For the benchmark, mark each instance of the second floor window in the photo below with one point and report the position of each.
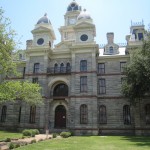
(122, 66)
(101, 68)
(36, 68)
(83, 84)
(102, 86)
(83, 65)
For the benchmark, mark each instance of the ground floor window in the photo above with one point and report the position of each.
(32, 114)
(147, 113)
(102, 114)
(83, 114)
(126, 114)
(3, 114)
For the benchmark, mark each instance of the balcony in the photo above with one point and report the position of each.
(59, 70)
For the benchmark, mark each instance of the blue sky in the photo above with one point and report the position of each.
(108, 16)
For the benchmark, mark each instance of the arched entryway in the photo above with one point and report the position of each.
(60, 117)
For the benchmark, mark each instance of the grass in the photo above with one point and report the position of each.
(93, 143)
(6, 134)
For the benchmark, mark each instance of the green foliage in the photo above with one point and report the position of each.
(33, 141)
(11, 146)
(8, 140)
(137, 72)
(30, 132)
(65, 134)
(18, 90)
(55, 135)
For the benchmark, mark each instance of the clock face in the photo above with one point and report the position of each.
(84, 37)
(72, 21)
(40, 41)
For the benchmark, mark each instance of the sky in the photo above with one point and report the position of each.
(108, 16)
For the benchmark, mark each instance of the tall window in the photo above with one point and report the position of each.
(122, 66)
(24, 71)
(3, 114)
(83, 84)
(56, 68)
(62, 68)
(126, 115)
(36, 68)
(102, 86)
(83, 65)
(140, 36)
(32, 114)
(34, 80)
(83, 114)
(102, 114)
(68, 68)
(147, 113)
(60, 90)
(101, 68)
(19, 116)
(111, 50)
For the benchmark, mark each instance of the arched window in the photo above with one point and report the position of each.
(68, 68)
(83, 114)
(126, 115)
(83, 65)
(3, 114)
(62, 68)
(60, 90)
(56, 68)
(147, 113)
(102, 114)
(19, 116)
(32, 114)
(111, 50)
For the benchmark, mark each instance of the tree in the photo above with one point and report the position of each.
(137, 82)
(13, 90)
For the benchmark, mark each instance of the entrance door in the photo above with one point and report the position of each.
(60, 117)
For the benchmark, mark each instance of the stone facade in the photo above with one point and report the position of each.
(81, 83)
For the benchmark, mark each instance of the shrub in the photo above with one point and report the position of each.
(8, 140)
(34, 132)
(17, 145)
(55, 135)
(65, 134)
(26, 132)
(33, 141)
(11, 146)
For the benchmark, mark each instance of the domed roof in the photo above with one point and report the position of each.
(73, 6)
(84, 15)
(44, 19)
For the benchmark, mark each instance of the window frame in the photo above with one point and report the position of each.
(4, 113)
(122, 65)
(83, 84)
(102, 114)
(32, 114)
(36, 68)
(147, 114)
(83, 65)
(35, 80)
(83, 114)
(102, 85)
(101, 68)
(126, 115)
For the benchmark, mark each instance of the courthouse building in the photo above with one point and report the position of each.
(80, 80)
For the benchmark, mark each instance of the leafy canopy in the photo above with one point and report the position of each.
(137, 82)
(13, 90)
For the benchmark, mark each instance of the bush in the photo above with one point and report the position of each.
(26, 132)
(33, 141)
(30, 132)
(65, 134)
(55, 135)
(17, 145)
(11, 146)
(8, 140)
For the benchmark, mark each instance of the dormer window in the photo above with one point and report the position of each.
(73, 6)
(111, 50)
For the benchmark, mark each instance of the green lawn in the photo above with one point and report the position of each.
(6, 134)
(93, 143)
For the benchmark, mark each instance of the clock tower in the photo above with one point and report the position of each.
(67, 31)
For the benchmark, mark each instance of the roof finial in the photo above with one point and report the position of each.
(45, 14)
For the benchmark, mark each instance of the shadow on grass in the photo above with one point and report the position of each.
(138, 140)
